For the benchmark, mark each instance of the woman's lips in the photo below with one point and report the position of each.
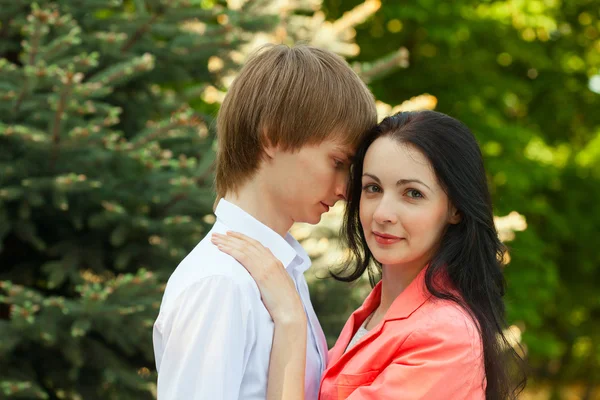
(383, 238)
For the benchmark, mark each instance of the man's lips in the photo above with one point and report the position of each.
(327, 206)
(385, 238)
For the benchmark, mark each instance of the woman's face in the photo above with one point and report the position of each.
(403, 209)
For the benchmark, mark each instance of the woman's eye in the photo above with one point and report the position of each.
(370, 188)
(415, 194)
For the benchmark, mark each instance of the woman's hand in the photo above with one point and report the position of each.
(288, 353)
(276, 287)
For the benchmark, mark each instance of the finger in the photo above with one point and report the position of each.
(254, 253)
(244, 254)
(247, 239)
(251, 262)
(218, 238)
(240, 240)
(233, 242)
(239, 255)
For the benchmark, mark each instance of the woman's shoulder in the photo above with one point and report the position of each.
(447, 318)
(442, 331)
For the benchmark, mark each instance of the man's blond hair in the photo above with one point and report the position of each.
(288, 97)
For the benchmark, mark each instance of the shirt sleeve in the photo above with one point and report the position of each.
(435, 364)
(206, 339)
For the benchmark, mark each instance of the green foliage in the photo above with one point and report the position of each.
(105, 176)
(106, 149)
(517, 73)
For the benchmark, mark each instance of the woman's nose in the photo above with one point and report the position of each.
(385, 213)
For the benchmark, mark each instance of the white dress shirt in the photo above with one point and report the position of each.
(213, 335)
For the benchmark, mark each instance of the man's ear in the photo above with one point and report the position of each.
(270, 151)
(455, 216)
(268, 148)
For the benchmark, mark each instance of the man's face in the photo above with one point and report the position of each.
(305, 183)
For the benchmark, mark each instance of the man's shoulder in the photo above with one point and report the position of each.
(207, 260)
(206, 263)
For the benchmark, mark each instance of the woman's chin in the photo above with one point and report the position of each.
(385, 259)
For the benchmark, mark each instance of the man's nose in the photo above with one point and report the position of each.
(341, 188)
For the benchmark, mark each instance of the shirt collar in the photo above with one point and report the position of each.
(284, 249)
(304, 258)
(404, 305)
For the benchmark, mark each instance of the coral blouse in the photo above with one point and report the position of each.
(424, 348)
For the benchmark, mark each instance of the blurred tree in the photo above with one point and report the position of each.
(106, 149)
(524, 76)
(105, 175)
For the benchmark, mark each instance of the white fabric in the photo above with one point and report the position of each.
(362, 331)
(213, 335)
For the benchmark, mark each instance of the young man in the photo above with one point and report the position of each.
(286, 130)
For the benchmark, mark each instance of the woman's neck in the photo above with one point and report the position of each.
(395, 279)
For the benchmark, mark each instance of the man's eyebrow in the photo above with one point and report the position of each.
(349, 154)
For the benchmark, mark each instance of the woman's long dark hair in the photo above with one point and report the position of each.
(470, 252)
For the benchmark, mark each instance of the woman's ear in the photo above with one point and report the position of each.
(455, 216)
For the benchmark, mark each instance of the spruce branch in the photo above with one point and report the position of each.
(176, 199)
(117, 73)
(356, 16)
(5, 26)
(25, 87)
(39, 20)
(68, 80)
(25, 132)
(63, 43)
(37, 17)
(208, 44)
(150, 137)
(139, 33)
(184, 116)
(369, 72)
(201, 179)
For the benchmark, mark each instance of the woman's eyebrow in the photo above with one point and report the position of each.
(406, 181)
(400, 182)
(376, 179)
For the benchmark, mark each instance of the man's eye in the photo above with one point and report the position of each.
(339, 164)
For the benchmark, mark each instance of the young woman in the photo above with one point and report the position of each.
(419, 212)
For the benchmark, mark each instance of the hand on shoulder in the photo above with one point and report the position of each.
(277, 289)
